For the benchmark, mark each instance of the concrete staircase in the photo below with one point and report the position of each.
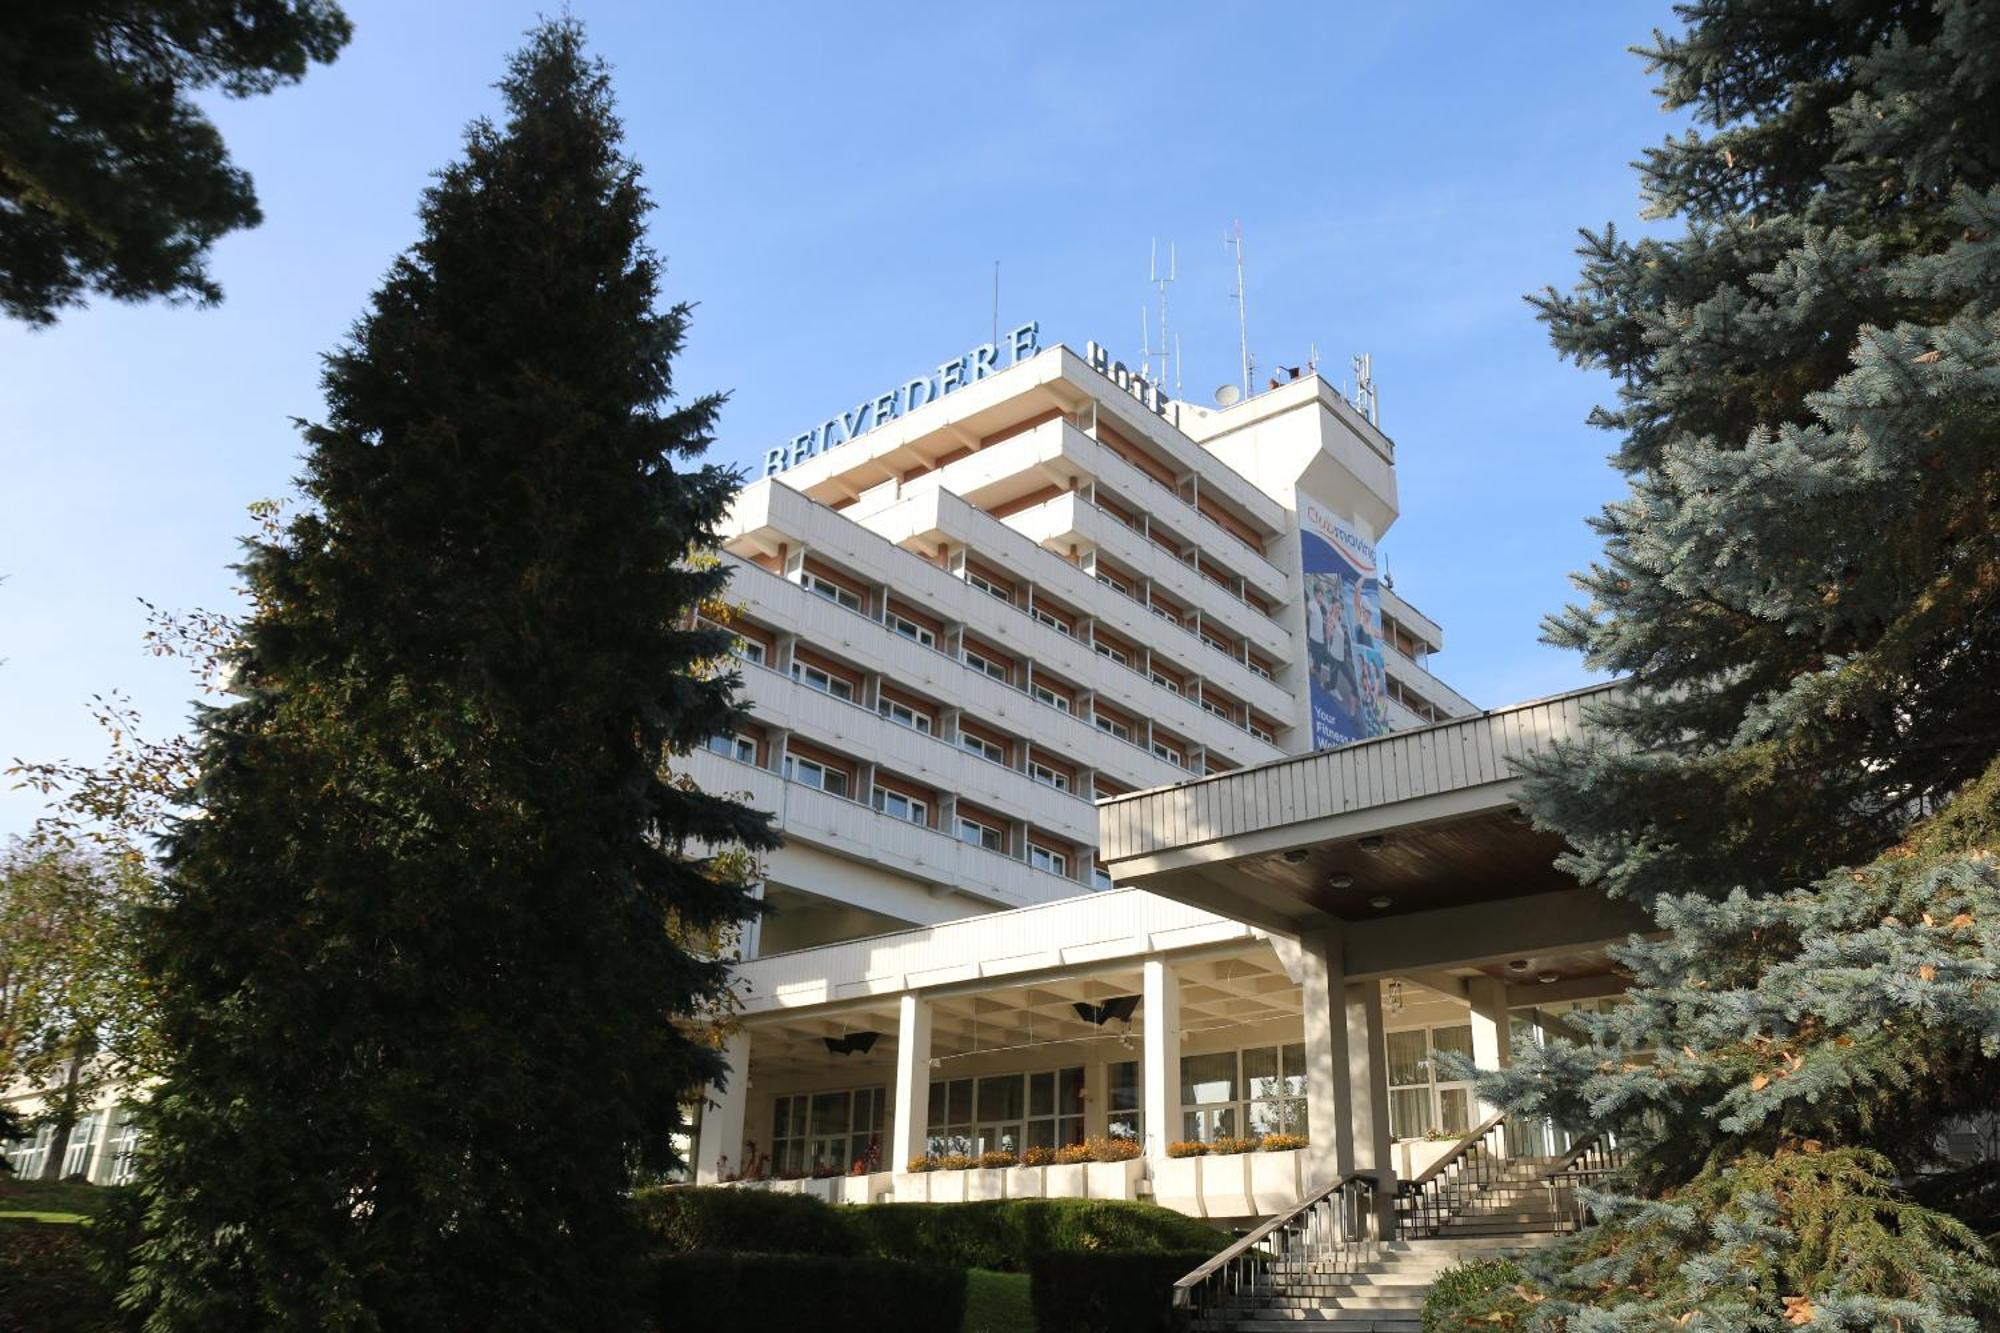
(1518, 1201)
(1384, 1295)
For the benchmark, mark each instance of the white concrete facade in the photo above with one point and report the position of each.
(960, 629)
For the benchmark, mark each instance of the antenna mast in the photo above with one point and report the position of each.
(1234, 239)
(1365, 400)
(1168, 358)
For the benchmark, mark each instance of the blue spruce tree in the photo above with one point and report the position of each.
(1800, 784)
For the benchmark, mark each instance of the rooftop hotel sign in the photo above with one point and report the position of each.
(967, 368)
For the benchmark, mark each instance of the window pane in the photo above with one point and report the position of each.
(1407, 1057)
(936, 1116)
(1260, 1072)
(1124, 1090)
(1069, 1091)
(1410, 1112)
(958, 1099)
(1000, 1098)
(781, 1118)
(1208, 1078)
(829, 1113)
(1295, 1069)
(1070, 1130)
(1454, 1110)
(1042, 1093)
(1457, 1040)
(1041, 1133)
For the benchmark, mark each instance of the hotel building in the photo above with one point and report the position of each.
(983, 623)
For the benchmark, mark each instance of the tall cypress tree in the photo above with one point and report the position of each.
(421, 996)
(1800, 784)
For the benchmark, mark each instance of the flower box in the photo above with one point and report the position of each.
(913, 1186)
(1225, 1184)
(1177, 1184)
(1026, 1182)
(1066, 1182)
(985, 1182)
(822, 1188)
(948, 1186)
(1114, 1180)
(1416, 1156)
(1277, 1180)
(863, 1189)
(788, 1187)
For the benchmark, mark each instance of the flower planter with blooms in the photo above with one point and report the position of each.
(1115, 1169)
(1177, 1180)
(1282, 1143)
(1231, 1147)
(1029, 1179)
(1187, 1148)
(913, 1183)
(1278, 1173)
(986, 1178)
(1066, 1176)
(1039, 1157)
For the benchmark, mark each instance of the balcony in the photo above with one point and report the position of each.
(859, 832)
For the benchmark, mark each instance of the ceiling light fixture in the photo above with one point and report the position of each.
(1294, 855)
(1372, 843)
(1380, 901)
(1548, 978)
(1340, 881)
(1517, 965)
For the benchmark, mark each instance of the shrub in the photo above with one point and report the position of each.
(1038, 1156)
(753, 1293)
(922, 1164)
(1111, 1292)
(1468, 1291)
(680, 1219)
(1106, 1149)
(1230, 1147)
(998, 1158)
(1006, 1234)
(1187, 1148)
(956, 1161)
(1283, 1142)
(1074, 1154)
(48, 1282)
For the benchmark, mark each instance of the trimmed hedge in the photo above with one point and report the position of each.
(1469, 1290)
(1108, 1292)
(1000, 1234)
(682, 1220)
(757, 1293)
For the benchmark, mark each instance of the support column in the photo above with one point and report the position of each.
(1492, 1041)
(1323, 1000)
(1368, 1080)
(720, 1149)
(1160, 1003)
(913, 1081)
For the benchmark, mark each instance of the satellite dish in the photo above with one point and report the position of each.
(1228, 396)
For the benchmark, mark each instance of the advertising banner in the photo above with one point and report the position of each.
(1343, 629)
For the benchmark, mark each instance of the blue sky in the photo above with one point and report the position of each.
(834, 184)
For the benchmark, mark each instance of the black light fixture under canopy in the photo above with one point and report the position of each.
(1120, 1007)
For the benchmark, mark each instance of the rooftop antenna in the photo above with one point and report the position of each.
(1234, 239)
(1162, 281)
(1365, 400)
(996, 303)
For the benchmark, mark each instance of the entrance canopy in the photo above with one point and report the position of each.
(1410, 846)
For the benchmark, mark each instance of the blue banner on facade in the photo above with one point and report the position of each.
(1350, 700)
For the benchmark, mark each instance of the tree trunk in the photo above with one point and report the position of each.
(65, 1122)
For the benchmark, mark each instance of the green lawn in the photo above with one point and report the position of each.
(50, 1201)
(997, 1303)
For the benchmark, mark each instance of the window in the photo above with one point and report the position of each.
(832, 591)
(124, 1147)
(1166, 683)
(905, 716)
(980, 835)
(731, 746)
(1041, 858)
(1263, 735)
(1219, 645)
(812, 773)
(1123, 1117)
(750, 651)
(1007, 1112)
(827, 1131)
(813, 678)
(1165, 615)
(982, 747)
(1253, 1092)
(82, 1145)
(1049, 777)
(986, 585)
(979, 661)
(27, 1155)
(1421, 1098)
(1118, 729)
(1259, 669)
(911, 630)
(1051, 698)
(1210, 706)
(1170, 754)
(906, 808)
(1113, 582)
(1117, 655)
(1100, 878)
(1050, 619)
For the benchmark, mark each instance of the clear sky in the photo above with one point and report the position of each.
(834, 185)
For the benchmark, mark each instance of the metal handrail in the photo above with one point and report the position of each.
(1334, 1226)
(1474, 1164)
(1599, 1154)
